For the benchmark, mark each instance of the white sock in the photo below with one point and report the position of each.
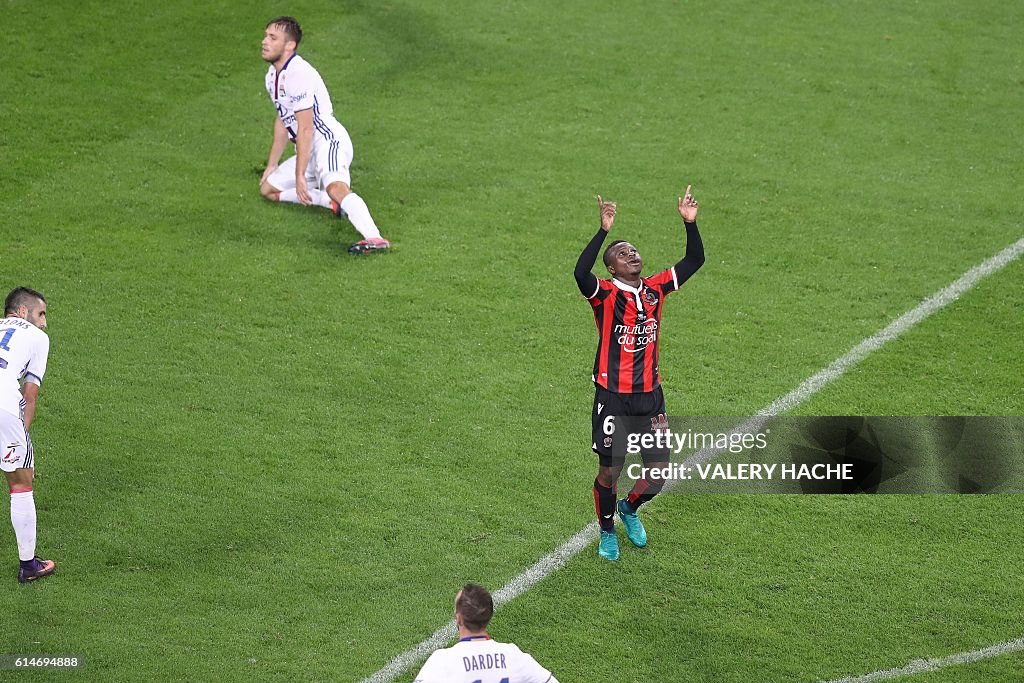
(359, 216)
(320, 198)
(23, 519)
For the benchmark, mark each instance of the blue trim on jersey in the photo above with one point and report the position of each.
(318, 122)
(469, 638)
(277, 75)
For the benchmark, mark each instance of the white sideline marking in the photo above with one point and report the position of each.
(588, 534)
(935, 302)
(920, 666)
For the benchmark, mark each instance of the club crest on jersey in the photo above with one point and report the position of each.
(650, 296)
(659, 424)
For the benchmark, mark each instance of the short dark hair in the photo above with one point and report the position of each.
(291, 28)
(475, 606)
(608, 251)
(21, 296)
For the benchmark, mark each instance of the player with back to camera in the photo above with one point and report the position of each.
(476, 658)
(318, 173)
(627, 310)
(24, 348)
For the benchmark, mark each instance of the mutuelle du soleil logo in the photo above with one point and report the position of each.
(633, 338)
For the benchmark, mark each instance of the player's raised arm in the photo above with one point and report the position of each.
(586, 280)
(694, 257)
(608, 210)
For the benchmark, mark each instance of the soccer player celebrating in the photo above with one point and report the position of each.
(476, 658)
(23, 351)
(627, 309)
(319, 171)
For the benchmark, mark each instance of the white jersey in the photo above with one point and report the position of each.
(480, 660)
(23, 351)
(298, 87)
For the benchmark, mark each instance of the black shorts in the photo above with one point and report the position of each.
(616, 417)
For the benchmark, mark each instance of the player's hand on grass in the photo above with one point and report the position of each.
(608, 210)
(688, 206)
(301, 191)
(266, 173)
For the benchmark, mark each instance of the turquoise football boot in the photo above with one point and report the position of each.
(634, 527)
(609, 546)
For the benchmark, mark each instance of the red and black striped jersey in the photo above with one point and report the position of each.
(628, 325)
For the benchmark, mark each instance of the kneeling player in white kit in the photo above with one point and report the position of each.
(476, 658)
(23, 351)
(319, 171)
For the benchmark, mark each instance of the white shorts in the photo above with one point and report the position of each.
(15, 444)
(328, 164)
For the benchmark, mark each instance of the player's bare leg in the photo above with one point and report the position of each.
(604, 500)
(345, 202)
(23, 519)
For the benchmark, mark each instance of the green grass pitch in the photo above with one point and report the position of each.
(261, 459)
